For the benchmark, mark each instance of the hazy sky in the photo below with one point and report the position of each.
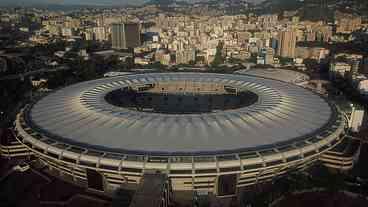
(68, 2)
(91, 2)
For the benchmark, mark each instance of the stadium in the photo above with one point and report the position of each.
(204, 131)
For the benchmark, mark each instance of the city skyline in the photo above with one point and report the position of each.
(90, 2)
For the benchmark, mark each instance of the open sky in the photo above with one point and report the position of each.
(79, 2)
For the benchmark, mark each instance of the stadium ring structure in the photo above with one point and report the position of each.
(206, 132)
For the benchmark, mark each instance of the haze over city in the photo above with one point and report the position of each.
(90, 2)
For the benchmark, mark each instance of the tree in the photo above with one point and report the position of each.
(218, 56)
(85, 70)
(16, 93)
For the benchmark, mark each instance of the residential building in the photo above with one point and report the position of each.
(356, 119)
(339, 70)
(185, 56)
(286, 44)
(125, 35)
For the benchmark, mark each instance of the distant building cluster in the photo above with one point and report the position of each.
(241, 36)
(179, 38)
(350, 67)
(148, 35)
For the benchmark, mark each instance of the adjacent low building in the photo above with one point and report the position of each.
(362, 84)
(356, 118)
(339, 70)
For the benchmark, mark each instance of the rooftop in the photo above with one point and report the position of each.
(80, 115)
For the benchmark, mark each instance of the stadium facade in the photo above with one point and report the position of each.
(206, 132)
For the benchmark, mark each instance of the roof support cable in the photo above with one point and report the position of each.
(240, 162)
(217, 164)
(99, 160)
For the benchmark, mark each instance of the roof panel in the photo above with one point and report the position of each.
(80, 114)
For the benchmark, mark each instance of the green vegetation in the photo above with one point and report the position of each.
(253, 58)
(285, 60)
(14, 94)
(235, 61)
(278, 6)
(319, 176)
(218, 60)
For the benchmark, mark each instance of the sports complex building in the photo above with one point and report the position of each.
(204, 131)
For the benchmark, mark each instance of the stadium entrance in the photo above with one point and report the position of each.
(226, 185)
(95, 180)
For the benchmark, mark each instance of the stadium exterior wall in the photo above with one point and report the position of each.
(278, 152)
(187, 172)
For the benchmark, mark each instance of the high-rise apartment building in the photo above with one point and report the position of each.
(185, 56)
(347, 23)
(286, 44)
(99, 33)
(268, 55)
(125, 35)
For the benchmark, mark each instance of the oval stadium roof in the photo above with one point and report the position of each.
(79, 114)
